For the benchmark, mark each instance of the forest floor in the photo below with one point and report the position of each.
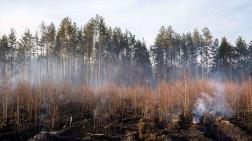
(134, 128)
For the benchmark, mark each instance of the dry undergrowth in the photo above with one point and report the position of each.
(53, 105)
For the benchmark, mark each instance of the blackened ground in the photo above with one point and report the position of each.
(133, 128)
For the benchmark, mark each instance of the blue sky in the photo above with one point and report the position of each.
(229, 18)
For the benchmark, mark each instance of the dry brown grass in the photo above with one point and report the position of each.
(53, 106)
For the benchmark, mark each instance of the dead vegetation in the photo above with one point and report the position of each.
(126, 112)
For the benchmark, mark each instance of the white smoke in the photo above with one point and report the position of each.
(212, 105)
(62, 69)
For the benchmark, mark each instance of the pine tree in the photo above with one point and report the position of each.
(170, 51)
(80, 42)
(4, 48)
(185, 48)
(50, 37)
(214, 55)
(157, 52)
(117, 38)
(26, 44)
(88, 31)
(207, 43)
(12, 41)
(67, 36)
(142, 59)
(241, 49)
(225, 55)
(191, 53)
(197, 51)
(241, 63)
(36, 44)
(42, 41)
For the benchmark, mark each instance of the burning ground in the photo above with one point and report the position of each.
(214, 104)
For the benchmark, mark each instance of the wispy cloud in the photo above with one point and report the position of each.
(224, 18)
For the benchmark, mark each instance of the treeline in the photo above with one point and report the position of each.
(110, 54)
(200, 55)
(107, 54)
